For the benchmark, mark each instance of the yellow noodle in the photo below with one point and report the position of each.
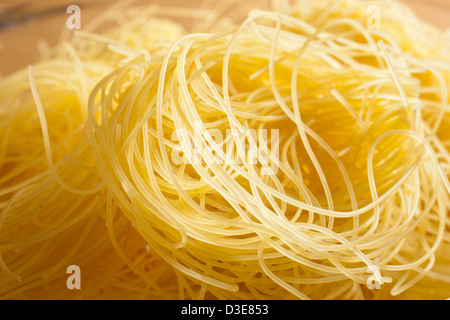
(297, 154)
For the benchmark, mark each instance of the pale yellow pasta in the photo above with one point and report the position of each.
(296, 155)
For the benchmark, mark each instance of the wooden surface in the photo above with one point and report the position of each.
(18, 44)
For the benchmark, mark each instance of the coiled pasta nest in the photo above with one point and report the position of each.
(300, 154)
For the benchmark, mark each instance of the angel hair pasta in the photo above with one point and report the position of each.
(297, 154)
